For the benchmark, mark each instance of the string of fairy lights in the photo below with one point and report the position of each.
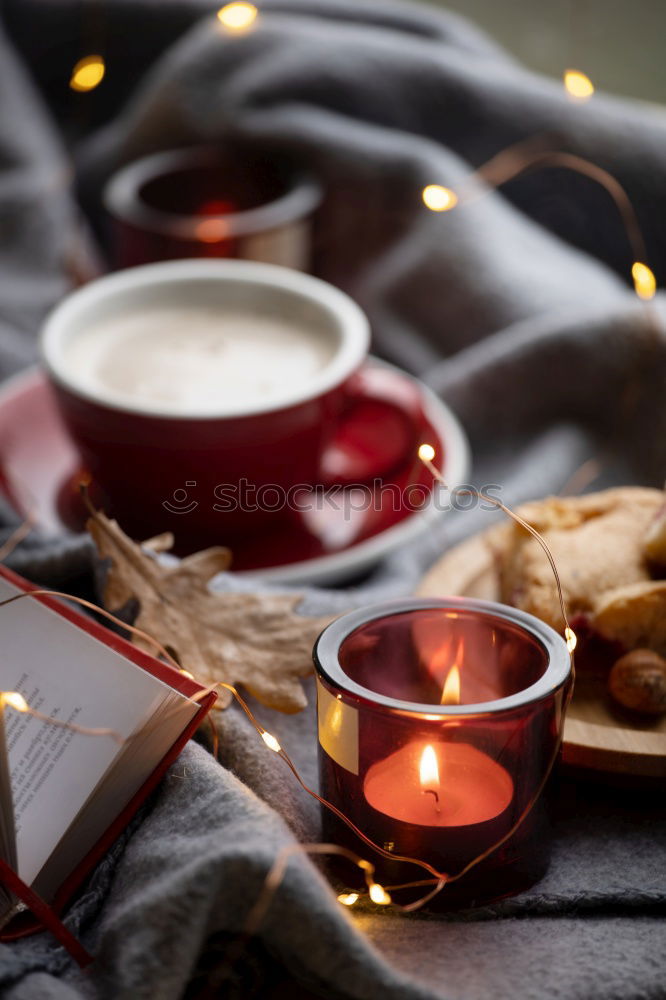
(439, 198)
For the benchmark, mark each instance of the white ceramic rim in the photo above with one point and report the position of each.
(351, 323)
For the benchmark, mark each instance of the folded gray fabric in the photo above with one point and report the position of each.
(516, 309)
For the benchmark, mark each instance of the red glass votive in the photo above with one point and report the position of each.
(232, 201)
(441, 782)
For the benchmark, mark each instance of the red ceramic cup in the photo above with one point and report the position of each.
(216, 472)
(232, 201)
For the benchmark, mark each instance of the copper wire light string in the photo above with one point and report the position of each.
(439, 878)
(521, 157)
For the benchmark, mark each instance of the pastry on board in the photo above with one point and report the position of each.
(610, 552)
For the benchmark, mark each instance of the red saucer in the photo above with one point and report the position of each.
(39, 471)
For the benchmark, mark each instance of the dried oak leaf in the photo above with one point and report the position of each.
(257, 641)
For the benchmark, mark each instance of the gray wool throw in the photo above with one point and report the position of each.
(516, 310)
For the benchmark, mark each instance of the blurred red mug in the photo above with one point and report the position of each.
(231, 201)
(217, 390)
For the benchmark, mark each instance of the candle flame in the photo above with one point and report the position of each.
(451, 690)
(578, 85)
(428, 768)
(212, 230)
(348, 898)
(438, 198)
(645, 282)
(440, 661)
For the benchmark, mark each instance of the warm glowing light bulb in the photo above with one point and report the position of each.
(438, 198)
(571, 639)
(378, 894)
(238, 16)
(428, 768)
(645, 282)
(348, 898)
(88, 73)
(426, 453)
(451, 690)
(15, 700)
(270, 741)
(578, 85)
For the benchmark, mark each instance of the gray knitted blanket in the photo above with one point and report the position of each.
(516, 310)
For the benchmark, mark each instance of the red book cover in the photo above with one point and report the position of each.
(25, 923)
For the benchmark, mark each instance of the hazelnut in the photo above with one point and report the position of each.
(638, 681)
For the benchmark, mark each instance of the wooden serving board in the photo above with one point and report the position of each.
(597, 735)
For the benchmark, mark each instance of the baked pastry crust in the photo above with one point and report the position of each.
(598, 542)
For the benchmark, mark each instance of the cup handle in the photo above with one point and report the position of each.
(376, 430)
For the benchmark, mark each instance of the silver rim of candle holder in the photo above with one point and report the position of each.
(328, 667)
(122, 198)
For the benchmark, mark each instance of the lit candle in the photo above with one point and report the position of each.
(440, 784)
(437, 719)
(407, 785)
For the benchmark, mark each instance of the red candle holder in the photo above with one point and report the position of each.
(439, 721)
(231, 201)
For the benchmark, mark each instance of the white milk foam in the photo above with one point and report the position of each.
(195, 359)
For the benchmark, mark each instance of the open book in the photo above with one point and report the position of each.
(64, 795)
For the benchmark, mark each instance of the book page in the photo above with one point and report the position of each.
(68, 674)
(132, 767)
